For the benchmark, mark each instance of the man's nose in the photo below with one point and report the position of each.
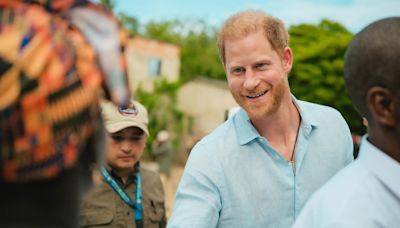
(126, 146)
(251, 80)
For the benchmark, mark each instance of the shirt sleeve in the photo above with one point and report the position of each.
(320, 213)
(198, 201)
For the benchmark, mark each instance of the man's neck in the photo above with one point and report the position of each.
(283, 120)
(388, 142)
(281, 129)
(123, 174)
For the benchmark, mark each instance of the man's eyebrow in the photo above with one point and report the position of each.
(263, 60)
(234, 67)
(141, 135)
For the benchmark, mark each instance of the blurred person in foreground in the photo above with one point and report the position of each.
(367, 193)
(259, 168)
(127, 195)
(55, 57)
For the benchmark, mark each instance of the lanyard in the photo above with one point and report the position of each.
(137, 204)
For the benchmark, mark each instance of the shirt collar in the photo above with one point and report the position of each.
(247, 132)
(308, 118)
(384, 168)
(130, 180)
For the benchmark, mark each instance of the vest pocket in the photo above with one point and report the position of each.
(96, 218)
(155, 215)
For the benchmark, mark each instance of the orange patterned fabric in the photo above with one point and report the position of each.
(49, 87)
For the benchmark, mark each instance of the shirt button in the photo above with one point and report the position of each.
(128, 213)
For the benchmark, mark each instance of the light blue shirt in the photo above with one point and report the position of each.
(234, 178)
(365, 194)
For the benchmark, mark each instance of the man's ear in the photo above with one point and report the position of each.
(287, 59)
(381, 103)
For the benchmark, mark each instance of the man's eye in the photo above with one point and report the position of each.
(117, 138)
(261, 66)
(135, 138)
(238, 70)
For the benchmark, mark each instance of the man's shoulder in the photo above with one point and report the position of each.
(100, 191)
(222, 131)
(314, 107)
(221, 137)
(149, 173)
(151, 184)
(349, 184)
(319, 112)
(214, 148)
(345, 196)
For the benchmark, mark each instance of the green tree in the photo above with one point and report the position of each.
(167, 31)
(109, 4)
(317, 74)
(161, 105)
(131, 24)
(199, 54)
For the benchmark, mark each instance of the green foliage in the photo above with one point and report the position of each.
(131, 24)
(199, 54)
(200, 57)
(163, 113)
(167, 31)
(109, 4)
(317, 73)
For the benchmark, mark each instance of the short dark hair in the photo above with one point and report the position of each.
(373, 59)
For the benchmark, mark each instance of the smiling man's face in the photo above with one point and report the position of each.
(257, 74)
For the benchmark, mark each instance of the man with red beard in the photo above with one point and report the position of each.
(259, 167)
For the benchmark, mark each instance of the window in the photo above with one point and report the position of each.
(154, 67)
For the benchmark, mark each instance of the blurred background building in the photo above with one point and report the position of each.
(149, 60)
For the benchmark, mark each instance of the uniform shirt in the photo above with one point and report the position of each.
(234, 178)
(365, 194)
(102, 206)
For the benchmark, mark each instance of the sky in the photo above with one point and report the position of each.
(353, 14)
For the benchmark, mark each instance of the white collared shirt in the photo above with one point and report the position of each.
(365, 194)
(235, 178)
